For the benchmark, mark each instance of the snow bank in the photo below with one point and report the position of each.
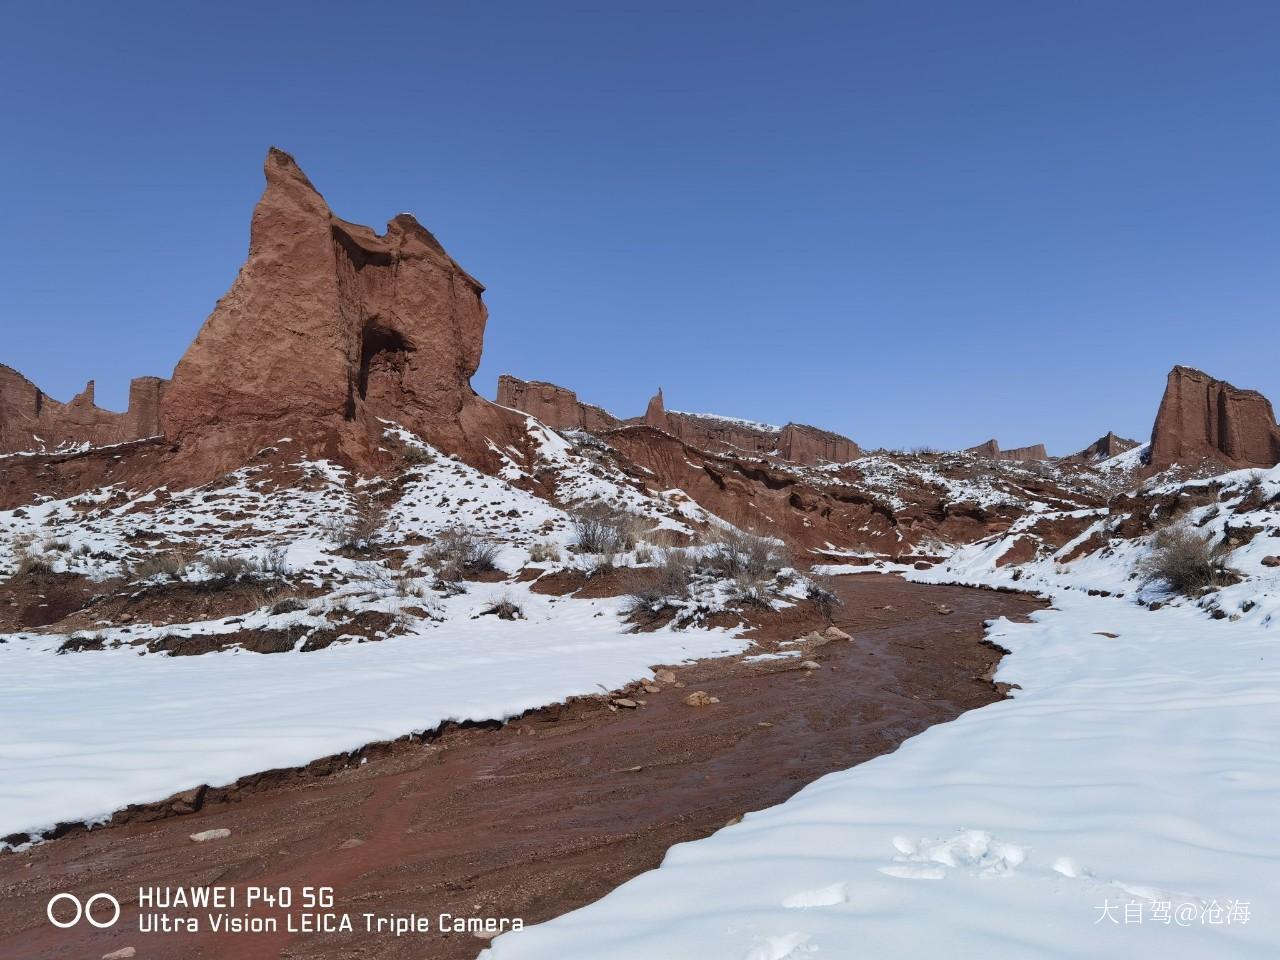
(1133, 778)
(85, 734)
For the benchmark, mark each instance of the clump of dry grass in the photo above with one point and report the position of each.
(357, 532)
(545, 552)
(460, 550)
(1187, 562)
(603, 530)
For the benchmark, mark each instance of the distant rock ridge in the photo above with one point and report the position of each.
(1202, 418)
(557, 407)
(32, 421)
(991, 451)
(1105, 447)
(560, 408)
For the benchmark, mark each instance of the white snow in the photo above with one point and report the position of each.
(85, 734)
(1139, 770)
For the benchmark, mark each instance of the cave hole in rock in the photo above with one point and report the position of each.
(383, 356)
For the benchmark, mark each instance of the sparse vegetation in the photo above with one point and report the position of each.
(460, 550)
(170, 564)
(604, 530)
(1185, 561)
(736, 554)
(32, 564)
(272, 562)
(504, 608)
(357, 532)
(287, 605)
(823, 598)
(675, 573)
(544, 552)
(416, 456)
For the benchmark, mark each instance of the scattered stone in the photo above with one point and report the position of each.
(733, 820)
(1271, 561)
(811, 665)
(220, 833)
(665, 676)
(652, 688)
(1104, 633)
(835, 633)
(124, 953)
(922, 565)
(700, 698)
(350, 844)
(764, 723)
(626, 702)
(944, 609)
(679, 684)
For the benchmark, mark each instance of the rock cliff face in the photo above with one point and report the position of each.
(1203, 418)
(328, 323)
(557, 407)
(30, 420)
(991, 450)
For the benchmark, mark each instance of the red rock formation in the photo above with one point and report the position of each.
(560, 408)
(991, 450)
(801, 443)
(30, 420)
(655, 414)
(1104, 448)
(1202, 418)
(329, 323)
(557, 407)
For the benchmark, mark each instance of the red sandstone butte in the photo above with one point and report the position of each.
(30, 420)
(1202, 418)
(991, 450)
(329, 323)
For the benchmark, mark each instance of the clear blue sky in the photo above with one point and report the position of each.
(915, 223)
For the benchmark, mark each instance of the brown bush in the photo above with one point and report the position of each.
(1185, 561)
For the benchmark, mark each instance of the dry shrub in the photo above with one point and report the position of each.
(170, 564)
(602, 529)
(357, 532)
(1185, 561)
(735, 554)
(824, 598)
(504, 608)
(675, 572)
(461, 550)
(544, 552)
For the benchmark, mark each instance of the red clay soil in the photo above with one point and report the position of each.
(540, 816)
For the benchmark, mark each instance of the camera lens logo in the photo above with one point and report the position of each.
(83, 910)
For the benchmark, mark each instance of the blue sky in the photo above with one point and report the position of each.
(914, 223)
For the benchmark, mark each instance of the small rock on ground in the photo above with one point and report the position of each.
(350, 844)
(124, 953)
(665, 676)
(700, 698)
(220, 833)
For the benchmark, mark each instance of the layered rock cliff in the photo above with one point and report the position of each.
(991, 450)
(32, 421)
(1201, 418)
(557, 407)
